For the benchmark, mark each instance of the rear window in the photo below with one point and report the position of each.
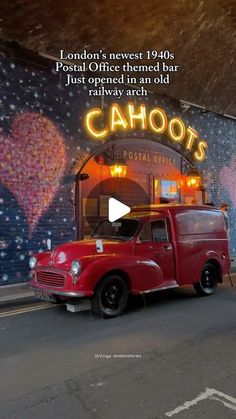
(199, 222)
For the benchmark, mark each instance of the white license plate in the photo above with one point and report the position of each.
(45, 297)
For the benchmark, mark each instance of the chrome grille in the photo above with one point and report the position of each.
(50, 278)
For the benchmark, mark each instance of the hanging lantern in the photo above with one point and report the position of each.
(193, 178)
(118, 167)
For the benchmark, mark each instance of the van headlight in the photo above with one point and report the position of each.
(75, 267)
(32, 262)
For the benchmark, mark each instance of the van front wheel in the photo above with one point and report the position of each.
(110, 298)
(208, 282)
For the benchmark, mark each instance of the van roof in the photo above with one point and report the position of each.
(144, 214)
(171, 207)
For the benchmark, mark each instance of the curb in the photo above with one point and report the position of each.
(15, 293)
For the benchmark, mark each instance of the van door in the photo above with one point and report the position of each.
(154, 243)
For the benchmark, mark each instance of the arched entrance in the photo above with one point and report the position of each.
(151, 167)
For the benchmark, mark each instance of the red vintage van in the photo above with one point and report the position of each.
(151, 249)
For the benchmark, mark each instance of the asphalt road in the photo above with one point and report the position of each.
(172, 355)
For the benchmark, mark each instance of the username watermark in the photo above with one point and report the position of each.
(117, 356)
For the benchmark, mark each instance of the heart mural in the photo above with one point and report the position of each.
(33, 160)
(228, 179)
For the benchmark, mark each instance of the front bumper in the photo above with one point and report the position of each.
(74, 294)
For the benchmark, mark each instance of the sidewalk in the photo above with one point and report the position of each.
(21, 292)
(16, 293)
(233, 265)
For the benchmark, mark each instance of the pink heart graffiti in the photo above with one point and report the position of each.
(228, 179)
(32, 162)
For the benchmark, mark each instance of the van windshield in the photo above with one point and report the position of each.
(123, 229)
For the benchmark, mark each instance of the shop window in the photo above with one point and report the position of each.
(159, 231)
(166, 191)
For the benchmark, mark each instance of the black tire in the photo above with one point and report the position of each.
(110, 297)
(208, 282)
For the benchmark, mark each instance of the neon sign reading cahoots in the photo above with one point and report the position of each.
(134, 117)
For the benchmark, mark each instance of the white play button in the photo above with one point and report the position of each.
(116, 209)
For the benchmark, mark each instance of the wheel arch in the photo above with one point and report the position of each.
(123, 274)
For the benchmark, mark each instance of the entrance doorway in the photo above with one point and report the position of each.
(150, 167)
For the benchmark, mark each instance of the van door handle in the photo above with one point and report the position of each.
(167, 247)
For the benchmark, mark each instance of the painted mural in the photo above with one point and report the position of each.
(33, 160)
(42, 141)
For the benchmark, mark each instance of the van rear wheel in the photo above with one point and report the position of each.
(208, 282)
(110, 297)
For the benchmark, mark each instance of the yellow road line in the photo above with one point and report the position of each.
(27, 307)
(25, 310)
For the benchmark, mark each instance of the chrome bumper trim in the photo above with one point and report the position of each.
(63, 293)
(159, 289)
